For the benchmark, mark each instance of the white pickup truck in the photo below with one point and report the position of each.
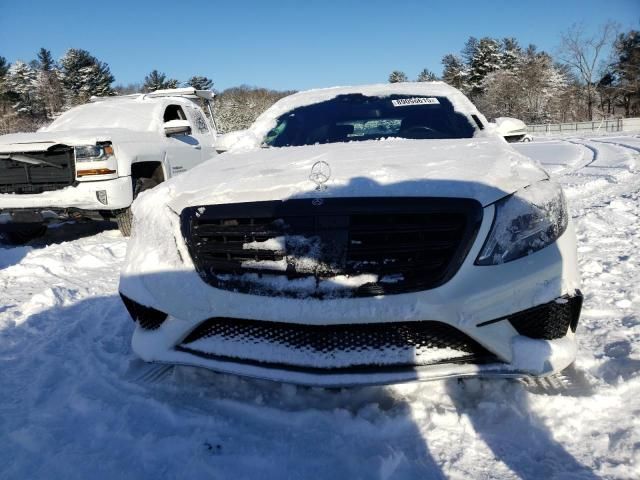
(95, 158)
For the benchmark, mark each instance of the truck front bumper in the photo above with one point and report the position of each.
(112, 194)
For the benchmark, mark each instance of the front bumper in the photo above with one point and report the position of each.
(82, 196)
(162, 276)
(346, 355)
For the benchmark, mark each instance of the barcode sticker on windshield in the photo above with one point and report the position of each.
(405, 102)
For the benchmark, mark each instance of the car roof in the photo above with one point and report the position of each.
(459, 101)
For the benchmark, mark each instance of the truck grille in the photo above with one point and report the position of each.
(331, 248)
(22, 177)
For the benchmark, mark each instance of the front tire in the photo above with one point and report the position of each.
(124, 218)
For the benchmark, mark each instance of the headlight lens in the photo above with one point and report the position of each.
(92, 153)
(525, 222)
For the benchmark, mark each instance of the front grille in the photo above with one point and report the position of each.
(334, 248)
(22, 177)
(551, 320)
(333, 346)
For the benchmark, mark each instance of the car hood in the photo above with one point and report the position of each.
(484, 169)
(39, 141)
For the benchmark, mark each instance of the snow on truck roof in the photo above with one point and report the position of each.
(117, 113)
(138, 112)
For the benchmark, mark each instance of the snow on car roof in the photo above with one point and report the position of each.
(267, 120)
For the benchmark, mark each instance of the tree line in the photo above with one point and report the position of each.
(506, 80)
(33, 94)
(499, 75)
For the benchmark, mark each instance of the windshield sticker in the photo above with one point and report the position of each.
(404, 102)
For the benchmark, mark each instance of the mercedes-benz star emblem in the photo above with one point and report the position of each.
(320, 174)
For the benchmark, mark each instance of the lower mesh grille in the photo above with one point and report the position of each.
(334, 346)
(549, 321)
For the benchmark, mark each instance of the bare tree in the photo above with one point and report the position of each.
(583, 54)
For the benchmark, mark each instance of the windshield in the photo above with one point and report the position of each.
(138, 116)
(356, 117)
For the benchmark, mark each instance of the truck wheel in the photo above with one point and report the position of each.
(124, 218)
(25, 234)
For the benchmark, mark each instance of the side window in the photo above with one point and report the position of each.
(199, 121)
(174, 112)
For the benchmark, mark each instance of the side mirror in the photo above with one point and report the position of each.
(177, 127)
(227, 140)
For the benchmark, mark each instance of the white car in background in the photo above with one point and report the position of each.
(96, 158)
(358, 235)
(512, 129)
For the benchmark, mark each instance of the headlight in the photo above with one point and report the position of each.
(92, 153)
(525, 222)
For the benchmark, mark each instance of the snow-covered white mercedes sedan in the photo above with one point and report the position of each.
(358, 235)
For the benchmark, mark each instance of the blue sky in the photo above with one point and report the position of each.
(286, 44)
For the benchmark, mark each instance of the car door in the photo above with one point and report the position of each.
(184, 150)
(203, 131)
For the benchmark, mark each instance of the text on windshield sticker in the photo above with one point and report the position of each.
(404, 102)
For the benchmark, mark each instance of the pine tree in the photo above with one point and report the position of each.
(511, 54)
(97, 80)
(469, 50)
(487, 58)
(49, 92)
(4, 67)
(200, 83)
(455, 72)
(397, 76)
(83, 75)
(20, 86)
(158, 81)
(154, 81)
(427, 75)
(45, 60)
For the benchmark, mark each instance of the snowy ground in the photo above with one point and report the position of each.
(76, 403)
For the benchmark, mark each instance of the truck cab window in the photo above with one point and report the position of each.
(174, 112)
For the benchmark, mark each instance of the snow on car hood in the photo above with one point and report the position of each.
(39, 141)
(485, 169)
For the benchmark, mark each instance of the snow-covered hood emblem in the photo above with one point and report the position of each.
(320, 174)
(484, 169)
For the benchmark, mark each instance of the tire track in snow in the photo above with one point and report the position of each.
(610, 171)
(635, 148)
(593, 150)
